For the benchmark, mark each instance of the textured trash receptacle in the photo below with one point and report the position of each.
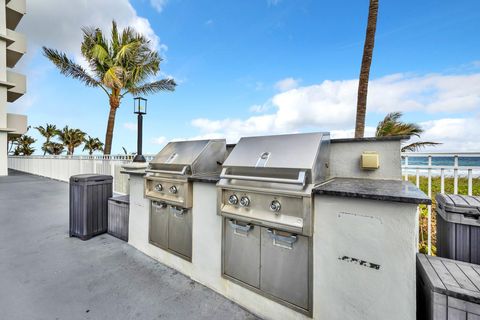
(458, 227)
(447, 289)
(118, 208)
(89, 194)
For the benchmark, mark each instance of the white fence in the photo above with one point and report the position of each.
(62, 167)
(415, 164)
(451, 165)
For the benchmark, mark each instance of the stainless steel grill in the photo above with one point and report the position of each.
(265, 198)
(167, 185)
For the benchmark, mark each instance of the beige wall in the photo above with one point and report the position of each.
(345, 159)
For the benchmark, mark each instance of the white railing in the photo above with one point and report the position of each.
(452, 165)
(63, 167)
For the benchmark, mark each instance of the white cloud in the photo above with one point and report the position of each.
(349, 133)
(209, 22)
(70, 16)
(455, 134)
(287, 84)
(131, 126)
(331, 105)
(158, 4)
(159, 140)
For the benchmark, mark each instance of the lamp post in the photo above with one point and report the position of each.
(140, 108)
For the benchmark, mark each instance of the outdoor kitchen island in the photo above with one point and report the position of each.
(364, 238)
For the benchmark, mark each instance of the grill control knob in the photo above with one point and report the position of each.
(158, 187)
(275, 206)
(173, 189)
(244, 201)
(233, 200)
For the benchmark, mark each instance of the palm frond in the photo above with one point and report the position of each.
(115, 41)
(100, 54)
(392, 126)
(147, 88)
(68, 67)
(419, 145)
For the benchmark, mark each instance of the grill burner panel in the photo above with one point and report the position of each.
(292, 215)
(160, 188)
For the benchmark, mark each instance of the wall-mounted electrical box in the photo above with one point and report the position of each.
(370, 160)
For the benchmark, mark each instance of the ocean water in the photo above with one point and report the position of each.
(444, 161)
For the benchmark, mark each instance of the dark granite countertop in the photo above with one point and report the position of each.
(208, 178)
(386, 190)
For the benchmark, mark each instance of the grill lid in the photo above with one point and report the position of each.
(290, 151)
(291, 158)
(190, 157)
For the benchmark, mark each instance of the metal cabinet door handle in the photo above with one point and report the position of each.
(179, 212)
(237, 227)
(159, 205)
(282, 241)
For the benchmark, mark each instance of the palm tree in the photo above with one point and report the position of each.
(365, 69)
(24, 145)
(54, 148)
(119, 66)
(92, 144)
(49, 131)
(392, 126)
(71, 138)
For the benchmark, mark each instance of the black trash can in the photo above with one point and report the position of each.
(118, 211)
(89, 194)
(458, 227)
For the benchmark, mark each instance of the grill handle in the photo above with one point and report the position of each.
(182, 172)
(300, 180)
(282, 241)
(237, 227)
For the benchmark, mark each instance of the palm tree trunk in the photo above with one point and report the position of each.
(114, 103)
(46, 143)
(365, 69)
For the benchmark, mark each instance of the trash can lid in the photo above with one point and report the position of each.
(90, 177)
(461, 204)
(123, 199)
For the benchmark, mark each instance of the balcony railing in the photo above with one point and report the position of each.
(441, 166)
(62, 167)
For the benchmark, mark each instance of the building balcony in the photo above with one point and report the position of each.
(15, 10)
(16, 84)
(16, 47)
(17, 124)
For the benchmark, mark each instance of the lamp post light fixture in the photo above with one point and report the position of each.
(140, 108)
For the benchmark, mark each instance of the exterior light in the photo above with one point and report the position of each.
(139, 108)
(140, 105)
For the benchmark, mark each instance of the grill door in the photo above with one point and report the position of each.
(180, 231)
(284, 270)
(242, 252)
(159, 224)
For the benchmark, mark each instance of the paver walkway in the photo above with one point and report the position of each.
(44, 274)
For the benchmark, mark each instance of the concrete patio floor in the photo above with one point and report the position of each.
(44, 274)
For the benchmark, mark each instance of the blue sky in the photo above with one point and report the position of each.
(267, 66)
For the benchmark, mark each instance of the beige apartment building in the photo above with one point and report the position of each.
(13, 46)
